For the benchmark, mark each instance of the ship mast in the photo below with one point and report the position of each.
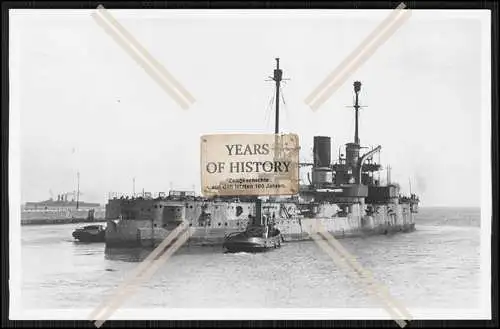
(278, 74)
(78, 189)
(357, 88)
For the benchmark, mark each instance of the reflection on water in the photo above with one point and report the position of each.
(436, 266)
(138, 254)
(133, 255)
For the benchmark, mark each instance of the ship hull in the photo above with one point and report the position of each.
(387, 219)
(214, 239)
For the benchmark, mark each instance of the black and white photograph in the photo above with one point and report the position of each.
(190, 164)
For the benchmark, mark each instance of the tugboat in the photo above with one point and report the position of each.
(260, 235)
(90, 233)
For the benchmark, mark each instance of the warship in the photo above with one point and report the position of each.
(62, 210)
(343, 196)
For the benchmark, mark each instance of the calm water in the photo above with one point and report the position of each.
(436, 266)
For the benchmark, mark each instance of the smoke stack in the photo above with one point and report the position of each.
(322, 151)
(322, 173)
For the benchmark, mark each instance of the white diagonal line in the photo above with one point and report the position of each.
(358, 57)
(157, 71)
(138, 271)
(352, 55)
(146, 54)
(359, 269)
(145, 263)
(353, 266)
(135, 277)
(149, 271)
(315, 100)
(340, 262)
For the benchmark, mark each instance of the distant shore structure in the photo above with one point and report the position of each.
(61, 211)
(58, 204)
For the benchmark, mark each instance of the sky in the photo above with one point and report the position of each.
(84, 105)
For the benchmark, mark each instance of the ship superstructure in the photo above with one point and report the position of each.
(345, 197)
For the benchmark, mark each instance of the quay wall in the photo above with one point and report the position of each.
(60, 217)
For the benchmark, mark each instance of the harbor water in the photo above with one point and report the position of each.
(437, 266)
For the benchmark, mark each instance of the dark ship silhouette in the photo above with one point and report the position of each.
(90, 233)
(343, 196)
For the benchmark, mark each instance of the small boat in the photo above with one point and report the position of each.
(255, 238)
(90, 233)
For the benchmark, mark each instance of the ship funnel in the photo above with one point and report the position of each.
(322, 173)
(322, 151)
